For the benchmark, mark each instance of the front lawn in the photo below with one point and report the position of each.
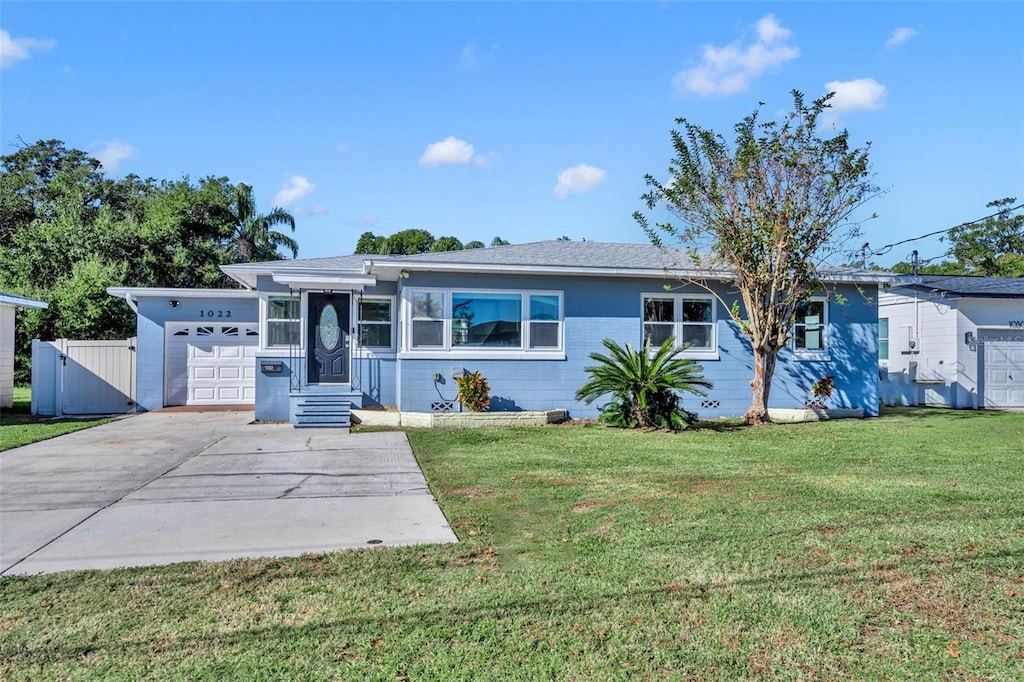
(890, 548)
(18, 426)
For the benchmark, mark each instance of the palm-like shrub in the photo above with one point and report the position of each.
(644, 385)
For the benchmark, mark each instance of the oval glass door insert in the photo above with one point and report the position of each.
(329, 331)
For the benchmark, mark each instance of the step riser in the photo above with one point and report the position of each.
(318, 410)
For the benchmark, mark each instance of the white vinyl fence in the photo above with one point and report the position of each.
(83, 377)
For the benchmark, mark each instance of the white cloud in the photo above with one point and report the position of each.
(860, 94)
(471, 60)
(296, 188)
(113, 153)
(14, 50)
(451, 151)
(900, 36)
(310, 212)
(578, 179)
(730, 69)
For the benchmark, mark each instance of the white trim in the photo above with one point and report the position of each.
(677, 298)
(265, 297)
(300, 281)
(159, 292)
(814, 354)
(365, 352)
(448, 350)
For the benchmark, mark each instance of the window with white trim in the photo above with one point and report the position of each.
(376, 323)
(471, 320)
(690, 318)
(282, 321)
(809, 326)
(883, 338)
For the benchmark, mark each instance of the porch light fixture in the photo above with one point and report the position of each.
(968, 338)
(404, 274)
(174, 302)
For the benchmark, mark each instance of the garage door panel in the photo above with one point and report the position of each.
(1003, 368)
(211, 365)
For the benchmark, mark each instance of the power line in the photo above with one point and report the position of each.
(888, 247)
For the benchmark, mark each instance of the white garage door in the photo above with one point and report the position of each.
(1004, 368)
(212, 364)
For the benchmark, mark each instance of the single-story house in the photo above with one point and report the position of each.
(953, 341)
(9, 304)
(304, 340)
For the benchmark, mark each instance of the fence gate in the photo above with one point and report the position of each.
(83, 377)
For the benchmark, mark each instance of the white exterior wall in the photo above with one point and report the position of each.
(940, 324)
(6, 356)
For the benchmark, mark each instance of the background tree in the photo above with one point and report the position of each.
(765, 212)
(413, 241)
(498, 241)
(67, 233)
(446, 244)
(989, 247)
(475, 244)
(252, 236)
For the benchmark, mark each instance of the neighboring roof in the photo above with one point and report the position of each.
(16, 301)
(979, 287)
(549, 257)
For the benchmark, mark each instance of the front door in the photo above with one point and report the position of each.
(328, 332)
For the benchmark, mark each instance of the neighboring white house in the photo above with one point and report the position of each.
(953, 341)
(9, 303)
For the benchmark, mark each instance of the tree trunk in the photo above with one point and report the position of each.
(764, 369)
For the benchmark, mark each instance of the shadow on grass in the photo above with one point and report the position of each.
(941, 412)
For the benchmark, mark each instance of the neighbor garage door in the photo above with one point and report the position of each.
(1003, 368)
(211, 364)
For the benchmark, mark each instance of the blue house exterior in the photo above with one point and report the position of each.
(306, 340)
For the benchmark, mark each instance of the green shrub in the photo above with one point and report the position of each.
(644, 385)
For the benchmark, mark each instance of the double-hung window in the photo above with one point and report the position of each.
(809, 327)
(376, 323)
(690, 318)
(482, 321)
(282, 321)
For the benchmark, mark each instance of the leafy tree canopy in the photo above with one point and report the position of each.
(414, 241)
(765, 212)
(67, 232)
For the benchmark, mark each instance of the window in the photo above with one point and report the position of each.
(883, 338)
(486, 321)
(282, 321)
(809, 328)
(428, 319)
(689, 318)
(545, 322)
(375, 323)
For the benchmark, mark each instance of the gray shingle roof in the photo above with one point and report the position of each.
(555, 253)
(983, 287)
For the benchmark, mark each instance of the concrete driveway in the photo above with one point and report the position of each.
(164, 487)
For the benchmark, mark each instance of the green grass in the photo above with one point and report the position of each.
(18, 426)
(890, 548)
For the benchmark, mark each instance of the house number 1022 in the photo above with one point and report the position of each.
(215, 313)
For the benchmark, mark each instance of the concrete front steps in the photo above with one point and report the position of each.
(324, 407)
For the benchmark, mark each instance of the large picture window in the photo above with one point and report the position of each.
(282, 321)
(690, 318)
(809, 326)
(376, 323)
(488, 321)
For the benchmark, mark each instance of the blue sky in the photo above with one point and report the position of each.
(523, 120)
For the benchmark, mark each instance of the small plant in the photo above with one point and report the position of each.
(644, 385)
(821, 390)
(474, 391)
